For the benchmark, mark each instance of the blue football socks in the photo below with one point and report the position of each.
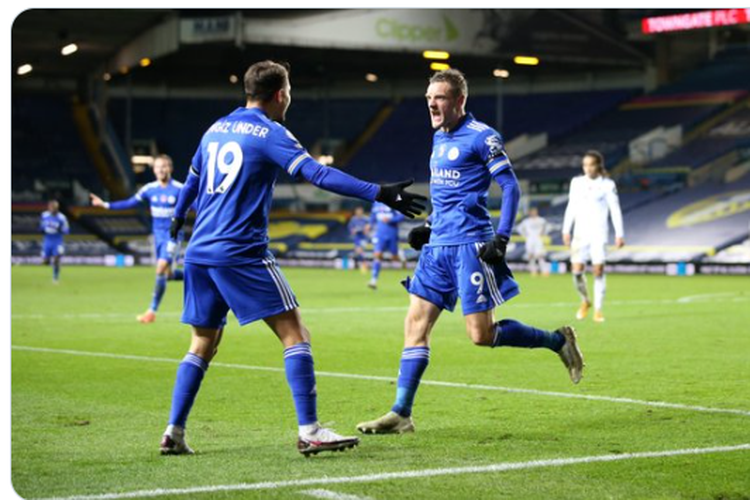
(510, 332)
(300, 374)
(375, 270)
(189, 377)
(159, 288)
(414, 361)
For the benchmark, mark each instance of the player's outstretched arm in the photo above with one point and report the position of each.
(128, 204)
(188, 193)
(334, 180)
(493, 252)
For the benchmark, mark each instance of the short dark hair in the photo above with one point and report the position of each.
(599, 158)
(263, 79)
(455, 79)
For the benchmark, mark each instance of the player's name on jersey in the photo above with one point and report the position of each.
(245, 128)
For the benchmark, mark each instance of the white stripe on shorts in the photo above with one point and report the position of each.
(489, 276)
(286, 293)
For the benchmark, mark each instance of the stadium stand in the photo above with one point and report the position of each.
(48, 155)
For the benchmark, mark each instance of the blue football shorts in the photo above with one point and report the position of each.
(166, 248)
(252, 291)
(52, 249)
(446, 273)
(386, 243)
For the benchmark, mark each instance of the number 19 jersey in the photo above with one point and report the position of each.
(237, 162)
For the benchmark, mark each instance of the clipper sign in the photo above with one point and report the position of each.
(695, 20)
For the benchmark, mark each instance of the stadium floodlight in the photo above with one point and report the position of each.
(69, 49)
(233, 79)
(142, 160)
(371, 77)
(526, 60)
(24, 69)
(436, 66)
(440, 55)
(501, 73)
(145, 62)
(107, 77)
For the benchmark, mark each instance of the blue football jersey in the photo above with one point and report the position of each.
(237, 163)
(462, 165)
(385, 220)
(54, 226)
(357, 226)
(161, 201)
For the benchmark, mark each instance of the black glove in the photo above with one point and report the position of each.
(396, 197)
(174, 228)
(493, 252)
(419, 236)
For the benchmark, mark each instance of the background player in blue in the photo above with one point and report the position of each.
(54, 225)
(161, 196)
(384, 227)
(228, 265)
(359, 232)
(461, 254)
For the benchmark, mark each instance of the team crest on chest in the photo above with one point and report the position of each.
(453, 153)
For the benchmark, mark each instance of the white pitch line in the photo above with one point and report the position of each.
(688, 300)
(412, 474)
(437, 383)
(332, 495)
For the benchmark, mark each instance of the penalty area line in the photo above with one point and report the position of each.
(412, 474)
(437, 383)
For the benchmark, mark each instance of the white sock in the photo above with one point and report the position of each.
(600, 288)
(543, 265)
(532, 266)
(579, 280)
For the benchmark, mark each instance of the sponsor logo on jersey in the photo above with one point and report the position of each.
(441, 151)
(711, 209)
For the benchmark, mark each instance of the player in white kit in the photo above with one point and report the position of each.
(534, 228)
(593, 199)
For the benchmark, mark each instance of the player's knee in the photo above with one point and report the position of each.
(479, 335)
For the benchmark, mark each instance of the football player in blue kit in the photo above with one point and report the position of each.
(161, 196)
(358, 230)
(54, 225)
(227, 263)
(461, 256)
(384, 221)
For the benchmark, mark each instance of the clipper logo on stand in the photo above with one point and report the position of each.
(711, 209)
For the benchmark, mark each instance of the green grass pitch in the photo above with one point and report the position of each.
(91, 390)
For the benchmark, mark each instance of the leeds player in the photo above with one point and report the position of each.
(161, 196)
(592, 200)
(54, 225)
(384, 224)
(228, 265)
(534, 228)
(461, 254)
(358, 230)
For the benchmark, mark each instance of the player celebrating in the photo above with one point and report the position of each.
(461, 254)
(385, 222)
(228, 265)
(54, 225)
(161, 195)
(593, 198)
(534, 228)
(358, 231)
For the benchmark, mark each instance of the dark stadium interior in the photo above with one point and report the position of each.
(670, 111)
